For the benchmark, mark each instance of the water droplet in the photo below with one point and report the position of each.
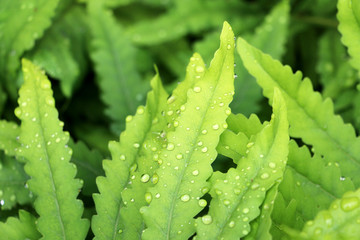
(176, 123)
(155, 178)
(225, 125)
(202, 203)
(136, 145)
(140, 110)
(157, 195)
(199, 69)
(254, 186)
(185, 198)
(120, 231)
(2, 202)
(133, 167)
(264, 176)
(207, 219)
(18, 112)
(45, 84)
(246, 210)
(148, 197)
(197, 89)
(218, 192)
(245, 219)
(50, 101)
(226, 202)
(204, 149)
(145, 178)
(349, 203)
(128, 118)
(195, 172)
(272, 165)
(122, 157)
(179, 156)
(215, 126)
(231, 224)
(171, 99)
(170, 146)
(205, 190)
(228, 46)
(182, 108)
(342, 178)
(204, 131)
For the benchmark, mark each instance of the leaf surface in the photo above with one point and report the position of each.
(238, 194)
(19, 228)
(186, 161)
(44, 145)
(9, 132)
(310, 117)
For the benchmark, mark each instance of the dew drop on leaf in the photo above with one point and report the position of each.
(349, 203)
(148, 197)
(264, 176)
(202, 203)
(170, 146)
(185, 198)
(197, 89)
(195, 172)
(231, 224)
(145, 178)
(207, 219)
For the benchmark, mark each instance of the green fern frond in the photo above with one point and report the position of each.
(136, 142)
(238, 194)
(260, 227)
(23, 227)
(44, 146)
(340, 221)
(88, 164)
(186, 161)
(349, 27)
(13, 188)
(164, 121)
(310, 117)
(9, 132)
(270, 37)
(21, 24)
(114, 58)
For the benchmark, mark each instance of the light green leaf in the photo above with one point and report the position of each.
(19, 228)
(21, 23)
(310, 117)
(114, 58)
(339, 222)
(136, 143)
(12, 183)
(88, 163)
(349, 27)
(238, 194)
(44, 145)
(9, 132)
(260, 227)
(186, 161)
(164, 115)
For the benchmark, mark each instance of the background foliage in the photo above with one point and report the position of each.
(100, 56)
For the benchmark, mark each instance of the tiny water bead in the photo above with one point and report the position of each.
(207, 219)
(140, 110)
(215, 126)
(195, 172)
(197, 89)
(122, 157)
(204, 149)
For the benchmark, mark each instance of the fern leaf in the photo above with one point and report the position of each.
(9, 132)
(134, 143)
(54, 55)
(164, 119)
(270, 37)
(88, 164)
(115, 65)
(186, 161)
(12, 183)
(310, 117)
(238, 194)
(349, 27)
(22, 23)
(186, 17)
(44, 145)
(19, 228)
(340, 221)
(260, 227)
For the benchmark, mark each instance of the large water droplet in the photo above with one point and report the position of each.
(185, 198)
(148, 197)
(207, 219)
(170, 146)
(349, 203)
(202, 203)
(145, 178)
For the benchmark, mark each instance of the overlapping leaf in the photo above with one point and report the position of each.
(134, 144)
(23, 227)
(310, 117)
(9, 132)
(44, 146)
(21, 23)
(186, 161)
(114, 58)
(349, 26)
(238, 194)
